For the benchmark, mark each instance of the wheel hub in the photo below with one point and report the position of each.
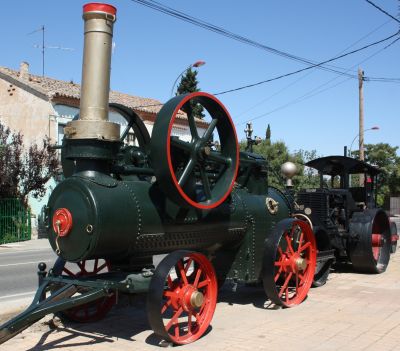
(191, 298)
(301, 264)
(196, 299)
(294, 263)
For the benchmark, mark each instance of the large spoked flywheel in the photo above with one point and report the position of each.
(289, 262)
(182, 297)
(195, 160)
(133, 127)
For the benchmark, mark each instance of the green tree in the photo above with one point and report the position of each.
(24, 170)
(276, 154)
(268, 135)
(385, 157)
(307, 177)
(189, 84)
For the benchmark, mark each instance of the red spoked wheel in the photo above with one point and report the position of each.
(93, 311)
(182, 297)
(289, 262)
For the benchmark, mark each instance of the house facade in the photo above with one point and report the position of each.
(40, 107)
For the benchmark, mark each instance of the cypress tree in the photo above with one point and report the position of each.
(188, 84)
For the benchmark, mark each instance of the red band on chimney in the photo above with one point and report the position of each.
(96, 7)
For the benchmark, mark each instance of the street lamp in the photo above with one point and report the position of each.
(196, 64)
(365, 130)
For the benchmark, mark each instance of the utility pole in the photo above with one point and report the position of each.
(361, 113)
(361, 119)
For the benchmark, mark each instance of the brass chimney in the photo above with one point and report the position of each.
(93, 118)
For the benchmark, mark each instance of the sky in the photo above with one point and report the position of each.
(313, 110)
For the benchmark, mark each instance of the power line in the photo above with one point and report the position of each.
(221, 31)
(307, 74)
(382, 10)
(316, 90)
(307, 68)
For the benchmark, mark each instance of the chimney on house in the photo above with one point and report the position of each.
(24, 70)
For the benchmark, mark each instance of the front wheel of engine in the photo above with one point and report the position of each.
(289, 262)
(182, 297)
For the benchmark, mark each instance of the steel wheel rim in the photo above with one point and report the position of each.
(187, 303)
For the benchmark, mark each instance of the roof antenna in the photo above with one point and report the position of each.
(43, 47)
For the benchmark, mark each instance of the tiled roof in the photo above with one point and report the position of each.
(58, 88)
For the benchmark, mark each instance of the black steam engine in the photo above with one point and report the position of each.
(192, 197)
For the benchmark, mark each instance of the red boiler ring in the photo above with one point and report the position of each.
(62, 219)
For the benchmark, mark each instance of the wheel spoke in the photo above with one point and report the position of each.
(81, 265)
(181, 144)
(190, 323)
(289, 243)
(207, 134)
(169, 281)
(191, 120)
(300, 241)
(104, 265)
(168, 293)
(188, 263)
(196, 280)
(187, 172)
(203, 284)
(277, 275)
(96, 262)
(165, 306)
(66, 270)
(305, 246)
(182, 272)
(206, 183)
(127, 129)
(174, 319)
(285, 284)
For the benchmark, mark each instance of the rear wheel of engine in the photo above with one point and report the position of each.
(369, 251)
(289, 262)
(182, 297)
(93, 311)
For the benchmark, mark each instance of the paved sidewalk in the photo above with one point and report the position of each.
(351, 312)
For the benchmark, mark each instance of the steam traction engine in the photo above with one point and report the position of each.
(347, 224)
(199, 201)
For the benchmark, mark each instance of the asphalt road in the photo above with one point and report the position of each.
(18, 272)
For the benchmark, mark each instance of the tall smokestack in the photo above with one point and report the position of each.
(93, 121)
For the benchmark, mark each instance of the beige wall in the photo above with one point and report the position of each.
(24, 112)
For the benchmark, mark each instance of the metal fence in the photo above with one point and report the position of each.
(15, 221)
(395, 206)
